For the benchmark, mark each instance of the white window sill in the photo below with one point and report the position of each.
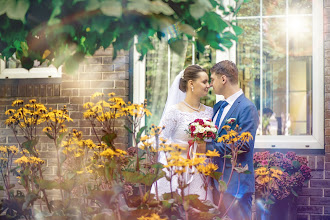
(288, 142)
(34, 73)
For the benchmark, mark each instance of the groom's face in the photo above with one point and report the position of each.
(217, 83)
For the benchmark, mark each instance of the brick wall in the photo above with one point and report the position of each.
(314, 200)
(98, 74)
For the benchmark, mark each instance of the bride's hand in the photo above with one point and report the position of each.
(201, 147)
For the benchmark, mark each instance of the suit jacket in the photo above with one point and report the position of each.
(246, 115)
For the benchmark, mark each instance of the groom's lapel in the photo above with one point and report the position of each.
(231, 111)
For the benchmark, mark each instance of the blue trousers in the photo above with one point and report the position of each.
(239, 208)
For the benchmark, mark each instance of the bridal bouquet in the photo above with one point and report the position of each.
(202, 129)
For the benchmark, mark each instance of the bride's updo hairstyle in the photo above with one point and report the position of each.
(190, 73)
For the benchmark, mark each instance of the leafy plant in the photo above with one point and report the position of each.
(63, 32)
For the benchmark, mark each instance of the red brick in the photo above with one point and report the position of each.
(311, 162)
(320, 200)
(99, 68)
(102, 84)
(76, 85)
(302, 217)
(57, 100)
(49, 90)
(3, 140)
(90, 76)
(310, 192)
(93, 60)
(310, 209)
(320, 183)
(119, 92)
(319, 217)
(121, 84)
(114, 76)
(76, 100)
(320, 162)
(317, 174)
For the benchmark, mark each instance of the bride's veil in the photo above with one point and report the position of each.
(175, 95)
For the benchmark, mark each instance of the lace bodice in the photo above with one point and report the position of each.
(176, 123)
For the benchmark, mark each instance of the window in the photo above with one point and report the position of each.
(12, 69)
(280, 64)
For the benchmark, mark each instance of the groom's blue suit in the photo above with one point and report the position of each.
(246, 115)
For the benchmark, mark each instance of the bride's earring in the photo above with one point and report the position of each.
(192, 88)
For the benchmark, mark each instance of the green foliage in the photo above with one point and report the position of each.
(63, 32)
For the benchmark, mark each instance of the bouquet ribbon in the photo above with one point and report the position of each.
(191, 143)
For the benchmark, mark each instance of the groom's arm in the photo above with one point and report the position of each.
(248, 120)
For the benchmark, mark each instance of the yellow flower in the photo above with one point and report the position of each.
(17, 102)
(97, 94)
(226, 127)
(13, 149)
(111, 94)
(88, 29)
(261, 171)
(246, 136)
(10, 111)
(213, 153)
(47, 129)
(80, 172)
(32, 101)
(223, 138)
(88, 105)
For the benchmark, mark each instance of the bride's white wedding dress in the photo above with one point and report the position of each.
(176, 124)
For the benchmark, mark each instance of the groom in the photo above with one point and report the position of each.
(238, 196)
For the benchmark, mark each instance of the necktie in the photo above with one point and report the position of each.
(222, 107)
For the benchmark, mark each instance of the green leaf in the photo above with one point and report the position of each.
(222, 186)
(242, 169)
(216, 175)
(138, 135)
(17, 9)
(238, 30)
(177, 45)
(228, 156)
(294, 192)
(296, 164)
(108, 139)
(1, 187)
(214, 22)
(60, 138)
(241, 151)
(157, 166)
(128, 129)
(29, 145)
(111, 8)
(48, 135)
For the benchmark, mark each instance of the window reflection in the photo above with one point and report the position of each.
(280, 86)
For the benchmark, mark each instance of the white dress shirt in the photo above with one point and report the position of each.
(231, 99)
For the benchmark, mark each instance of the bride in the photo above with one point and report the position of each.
(183, 107)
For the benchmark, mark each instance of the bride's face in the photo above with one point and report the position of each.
(201, 85)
